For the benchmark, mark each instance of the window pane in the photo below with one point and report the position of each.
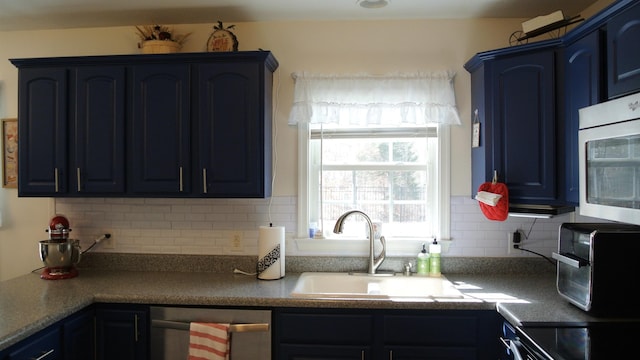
(374, 151)
(387, 174)
(395, 198)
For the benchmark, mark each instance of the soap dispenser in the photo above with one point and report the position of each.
(434, 258)
(422, 264)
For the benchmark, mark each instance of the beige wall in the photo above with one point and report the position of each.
(329, 47)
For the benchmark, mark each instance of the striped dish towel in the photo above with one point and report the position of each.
(209, 341)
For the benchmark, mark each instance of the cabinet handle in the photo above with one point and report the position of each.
(204, 180)
(181, 179)
(44, 355)
(55, 178)
(135, 325)
(95, 338)
(78, 177)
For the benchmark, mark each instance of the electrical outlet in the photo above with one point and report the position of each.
(236, 241)
(514, 239)
(509, 242)
(109, 243)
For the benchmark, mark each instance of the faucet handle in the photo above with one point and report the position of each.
(407, 269)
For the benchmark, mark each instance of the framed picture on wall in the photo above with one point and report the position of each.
(10, 153)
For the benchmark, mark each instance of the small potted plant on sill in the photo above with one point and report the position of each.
(159, 39)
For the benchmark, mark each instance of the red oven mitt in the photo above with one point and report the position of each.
(499, 211)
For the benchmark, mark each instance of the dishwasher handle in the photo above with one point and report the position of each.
(234, 328)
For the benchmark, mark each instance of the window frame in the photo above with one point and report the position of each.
(305, 245)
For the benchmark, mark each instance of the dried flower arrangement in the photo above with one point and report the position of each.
(159, 33)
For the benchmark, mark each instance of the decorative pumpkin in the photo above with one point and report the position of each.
(500, 211)
(222, 39)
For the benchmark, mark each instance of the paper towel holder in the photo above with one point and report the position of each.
(271, 253)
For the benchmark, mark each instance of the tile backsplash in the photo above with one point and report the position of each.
(230, 226)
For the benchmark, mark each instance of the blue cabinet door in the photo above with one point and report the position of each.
(159, 138)
(122, 332)
(623, 52)
(428, 353)
(44, 345)
(582, 88)
(233, 130)
(98, 162)
(514, 97)
(385, 334)
(324, 352)
(524, 134)
(42, 131)
(79, 336)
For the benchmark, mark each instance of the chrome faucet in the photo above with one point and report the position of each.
(373, 262)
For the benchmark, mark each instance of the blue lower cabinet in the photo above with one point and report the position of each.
(320, 334)
(122, 332)
(79, 336)
(324, 352)
(426, 353)
(45, 345)
(72, 338)
(100, 332)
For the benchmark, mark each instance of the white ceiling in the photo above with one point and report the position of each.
(61, 14)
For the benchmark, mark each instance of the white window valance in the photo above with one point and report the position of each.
(351, 100)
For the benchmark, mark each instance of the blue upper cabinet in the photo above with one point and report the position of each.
(524, 121)
(42, 130)
(527, 99)
(161, 125)
(72, 120)
(623, 52)
(232, 108)
(582, 86)
(98, 133)
(515, 100)
(159, 138)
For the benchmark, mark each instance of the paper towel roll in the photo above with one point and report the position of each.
(270, 253)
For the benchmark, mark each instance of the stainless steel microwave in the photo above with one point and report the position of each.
(609, 160)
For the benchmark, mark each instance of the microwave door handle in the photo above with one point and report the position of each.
(570, 259)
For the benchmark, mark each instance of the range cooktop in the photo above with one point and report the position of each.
(596, 341)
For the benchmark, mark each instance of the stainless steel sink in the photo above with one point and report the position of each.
(322, 285)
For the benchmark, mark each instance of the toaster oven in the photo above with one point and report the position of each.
(593, 259)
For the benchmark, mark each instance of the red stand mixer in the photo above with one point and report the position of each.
(59, 254)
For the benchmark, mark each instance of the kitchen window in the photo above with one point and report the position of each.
(378, 144)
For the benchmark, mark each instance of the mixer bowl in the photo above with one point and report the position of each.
(56, 254)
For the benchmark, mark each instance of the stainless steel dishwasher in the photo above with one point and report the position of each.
(250, 331)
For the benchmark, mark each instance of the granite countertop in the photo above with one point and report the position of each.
(29, 304)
